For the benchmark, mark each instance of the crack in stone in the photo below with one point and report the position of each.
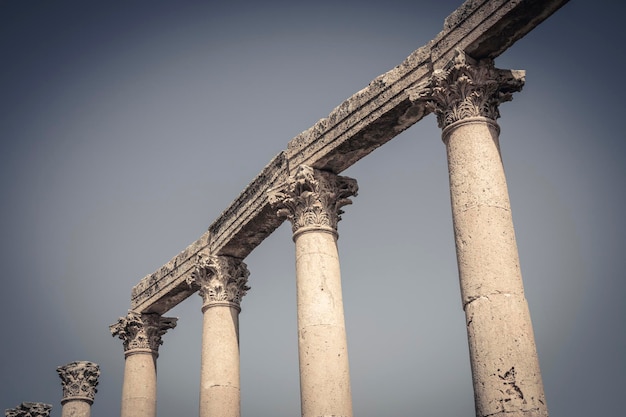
(223, 385)
(486, 297)
(473, 206)
(472, 299)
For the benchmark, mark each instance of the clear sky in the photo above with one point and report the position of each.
(126, 128)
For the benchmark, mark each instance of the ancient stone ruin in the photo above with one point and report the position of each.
(78, 381)
(454, 77)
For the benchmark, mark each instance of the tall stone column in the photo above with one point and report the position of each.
(312, 201)
(29, 410)
(465, 96)
(222, 283)
(141, 336)
(79, 381)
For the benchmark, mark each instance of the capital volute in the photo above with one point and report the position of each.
(312, 199)
(142, 332)
(220, 279)
(28, 409)
(79, 381)
(467, 88)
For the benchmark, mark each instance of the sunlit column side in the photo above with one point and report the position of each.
(28, 409)
(141, 336)
(465, 96)
(78, 380)
(222, 283)
(312, 201)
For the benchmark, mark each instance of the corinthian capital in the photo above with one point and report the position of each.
(142, 331)
(79, 380)
(313, 199)
(220, 279)
(467, 88)
(29, 410)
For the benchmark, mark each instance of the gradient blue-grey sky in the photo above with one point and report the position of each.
(128, 126)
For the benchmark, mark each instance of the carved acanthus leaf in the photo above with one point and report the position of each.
(468, 88)
(313, 198)
(79, 380)
(142, 331)
(220, 278)
(28, 409)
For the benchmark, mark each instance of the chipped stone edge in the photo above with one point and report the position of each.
(166, 287)
(356, 127)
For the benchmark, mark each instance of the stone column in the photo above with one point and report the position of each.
(29, 410)
(79, 381)
(312, 201)
(141, 335)
(222, 283)
(465, 96)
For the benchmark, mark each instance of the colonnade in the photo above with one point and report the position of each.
(465, 96)
(78, 380)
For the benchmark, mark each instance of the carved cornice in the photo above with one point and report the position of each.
(142, 331)
(220, 279)
(311, 198)
(29, 410)
(467, 88)
(79, 380)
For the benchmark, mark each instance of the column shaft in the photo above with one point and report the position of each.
(505, 366)
(139, 390)
(141, 334)
(219, 383)
(322, 342)
(312, 199)
(465, 95)
(76, 408)
(222, 283)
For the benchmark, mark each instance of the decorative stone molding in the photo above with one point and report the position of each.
(142, 331)
(79, 381)
(467, 88)
(29, 410)
(312, 199)
(221, 279)
(359, 125)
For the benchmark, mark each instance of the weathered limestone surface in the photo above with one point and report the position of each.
(312, 201)
(222, 283)
(359, 125)
(141, 336)
(28, 409)
(236, 232)
(465, 95)
(503, 356)
(79, 380)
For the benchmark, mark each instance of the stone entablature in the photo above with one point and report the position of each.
(237, 231)
(359, 125)
(28, 409)
(142, 332)
(79, 380)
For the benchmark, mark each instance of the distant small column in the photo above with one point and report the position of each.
(141, 335)
(222, 283)
(312, 201)
(29, 410)
(79, 381)
(465, 96)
